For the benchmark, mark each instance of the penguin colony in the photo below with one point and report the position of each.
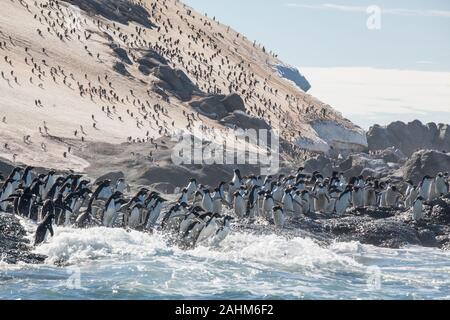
(199, 216)
(210, 60)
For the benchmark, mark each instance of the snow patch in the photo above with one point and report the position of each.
(339, 137)
(293, 75)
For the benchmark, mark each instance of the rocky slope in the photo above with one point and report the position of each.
(14, 246)
(105, 71)
(410, 137)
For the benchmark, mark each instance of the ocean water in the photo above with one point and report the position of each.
(102, 263)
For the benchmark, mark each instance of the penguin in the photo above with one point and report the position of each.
(239, 205)
(103, 190)
(46, 224)
(357, 197)
(15, 175)
(122, 186)
(190, 219)
(184, 198)
(209, 230)
(441, 185)
(413, 193)
(288, 203)
(7, 190)
(191, 188)
(392, 197)
(334, 194)
(306, 201)
(154, 213)
(193, 231)
(222, 232)
(382, 195)
(230, 192)
(173, 218)
(237, 180)
(49, 180)
(277, 193)
(321, 199)
(432, 190)
(251, 208)
(135, 217)
(409, 188)
(418, 213)
(268, 205)
(207, 202)
(344, 201)
(278, 217)
(297, 203)
(425, 187)
(112, 207)
(370, 196)
(217, 202)
(52, 192)
(86, 217)
(27, 176)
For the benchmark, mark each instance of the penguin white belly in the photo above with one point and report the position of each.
(424, 190)
(432, 191)
(105, 193)
(109, 215)
(298, 208)
(441, 187)
(220, 235)
(207, 232)
(135, 218)
(320, 203)
(288, 206)
(217, 206)
(279, 219)
(207, 204)
(267, 208)
(239, 207)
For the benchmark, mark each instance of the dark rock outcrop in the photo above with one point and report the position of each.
(425, 162)
(409, 137)
(119, 67)
(244, 121)
(14, 247)
(219, 106)
(123, 11)
(121, 54)
(175, 81)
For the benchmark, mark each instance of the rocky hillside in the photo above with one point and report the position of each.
(78, 72)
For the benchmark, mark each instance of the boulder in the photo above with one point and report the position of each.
(241, 120)
(425, 162)
(123, 11)
(175, 81)
(319, 163)
(218, 107)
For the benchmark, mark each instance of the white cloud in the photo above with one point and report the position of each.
(359, 9)
(368, 95)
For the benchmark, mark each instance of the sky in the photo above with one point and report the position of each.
(386, 64)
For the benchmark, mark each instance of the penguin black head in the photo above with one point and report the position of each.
(277, 208)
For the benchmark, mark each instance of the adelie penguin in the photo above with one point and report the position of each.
(46, 225)
(278, 217)
(239, 205)
(441, 185)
